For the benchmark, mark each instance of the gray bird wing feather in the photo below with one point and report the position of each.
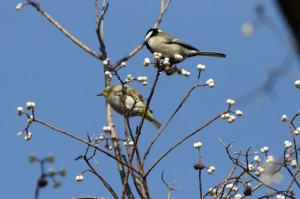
(182, 43)
(173, 40)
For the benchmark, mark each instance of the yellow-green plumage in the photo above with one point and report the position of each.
(133, 100)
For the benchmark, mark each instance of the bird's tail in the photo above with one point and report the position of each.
(156, 123)
(212, 54)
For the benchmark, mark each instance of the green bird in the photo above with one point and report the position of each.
(133, 100)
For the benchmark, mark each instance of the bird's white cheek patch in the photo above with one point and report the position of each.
(148, 35)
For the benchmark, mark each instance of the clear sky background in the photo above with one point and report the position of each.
(40, 64)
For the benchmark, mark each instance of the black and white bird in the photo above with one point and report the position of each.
(158, 41)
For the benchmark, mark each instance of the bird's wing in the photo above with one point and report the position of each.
(132, 92)
(170, 39)
(182, 43)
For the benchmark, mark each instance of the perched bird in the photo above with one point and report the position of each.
(132, 99)
(158, 41)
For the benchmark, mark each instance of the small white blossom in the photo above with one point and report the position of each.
(209, 81)
(212, 168)
(123, 64)
(270, 159)
(145, 83)
(197, 145)
(288, 158)
(27, 138)
(280, 196)
(142, 78)
(284, 118)
(110, 148)
(79, 178)
(129, 76)
(107, 73)
(147, 62)
(223, 116)
(105, 62)
(257, 173)
(20, 110)
(201, 67)
(238, 196)
(30, 105)
(248, 29)
(297, 83)
(209, 171)
(130, 143)
(238, 113)
(229, 186)
(230, 120)
(294, 164)
(250, 167)
(183, 72)
(264, 149)
(19, 6)
(101, 137)
(157, 56)
(178, 57)
(260, 169)
(19, 133)
(256, 159)
(166, 61)
(288, 144)
(235, 188)
(29, 135)
(211, 85)
(230, 102)
(296, 132)
(30, 119)
(212, 191)
(105, 128)
(226, 115)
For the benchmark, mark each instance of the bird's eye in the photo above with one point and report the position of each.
(106, 89)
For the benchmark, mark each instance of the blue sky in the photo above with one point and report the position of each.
(40, 64)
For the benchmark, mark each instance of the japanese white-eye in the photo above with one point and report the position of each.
(118, 96)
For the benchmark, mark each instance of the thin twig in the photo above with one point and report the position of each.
(180, 142)
(171, 117)
(140, 46)
(64, 31)
(84, 141)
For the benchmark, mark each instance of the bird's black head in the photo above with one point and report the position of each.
(151, 33)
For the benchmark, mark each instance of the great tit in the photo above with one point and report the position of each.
(132, 99)
(158, 41)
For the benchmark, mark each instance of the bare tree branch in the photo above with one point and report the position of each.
(64, 31)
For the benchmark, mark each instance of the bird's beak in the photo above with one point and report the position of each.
(101, 94)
